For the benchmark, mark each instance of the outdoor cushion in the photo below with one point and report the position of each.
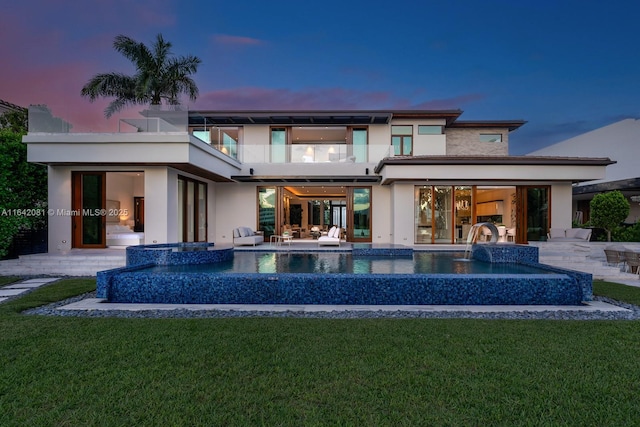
(572, 233)
(332, 232)
(556, 233)
(584, 233)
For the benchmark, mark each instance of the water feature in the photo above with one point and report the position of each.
(365, 276)
(474, 233)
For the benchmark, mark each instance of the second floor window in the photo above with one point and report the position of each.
(490, 137)
(402, 140)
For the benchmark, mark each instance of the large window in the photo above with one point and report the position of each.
(434, 217)
(402, 140)
(278, 145)
(429, 130)
(359, 137)
(225, 138)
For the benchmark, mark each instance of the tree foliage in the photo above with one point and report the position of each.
(608, 210)
(160, 77)
(23, 185)
(14, 120)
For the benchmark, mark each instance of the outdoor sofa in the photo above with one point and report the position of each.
(246, 236)
(569, 235)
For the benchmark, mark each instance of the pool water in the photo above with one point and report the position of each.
(345, 263)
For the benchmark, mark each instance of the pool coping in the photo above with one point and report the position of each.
(101, 304)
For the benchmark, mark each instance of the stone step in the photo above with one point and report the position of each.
(76, 265)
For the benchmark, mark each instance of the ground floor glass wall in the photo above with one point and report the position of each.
(445, 214)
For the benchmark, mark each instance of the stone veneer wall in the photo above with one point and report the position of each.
(466, 142)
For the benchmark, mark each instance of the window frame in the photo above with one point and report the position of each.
(487, 139)
(421, 129)
(402, 137)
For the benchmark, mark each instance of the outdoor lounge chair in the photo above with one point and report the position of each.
(331, 239)
(633, 261)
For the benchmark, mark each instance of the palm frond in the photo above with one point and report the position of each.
(159, 76)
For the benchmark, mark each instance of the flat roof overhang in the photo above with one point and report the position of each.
(314, 117)
(511, 168)
(372, 179)
(509, 124)
(631, 185)
(132, 166)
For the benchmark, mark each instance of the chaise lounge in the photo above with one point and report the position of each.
(332, 238)
(246, 236)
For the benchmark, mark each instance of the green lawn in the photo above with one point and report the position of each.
(271, 371)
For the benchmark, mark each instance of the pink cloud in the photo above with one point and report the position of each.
(332, 98)
(226, 39)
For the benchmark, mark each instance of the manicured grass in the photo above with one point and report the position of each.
(630, 294)
(5, 280)
(272, 371)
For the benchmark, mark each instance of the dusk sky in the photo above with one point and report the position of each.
(566, 67)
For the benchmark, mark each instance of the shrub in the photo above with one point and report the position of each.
(609, 210)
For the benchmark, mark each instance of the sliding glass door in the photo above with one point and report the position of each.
(192, 210)
(359, 214)
(533, 214)
(88, 206)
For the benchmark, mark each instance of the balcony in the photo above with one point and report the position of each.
(304, 153)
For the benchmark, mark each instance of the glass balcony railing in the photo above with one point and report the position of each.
(58, 119)
(305, 153)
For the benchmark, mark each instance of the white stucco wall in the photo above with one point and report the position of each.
(236, 207)
(381, 215)
(619, 141)
(561, 205)
(160, 216)
(59, 228)
(402, 214)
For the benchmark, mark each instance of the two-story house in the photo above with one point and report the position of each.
(411, 177)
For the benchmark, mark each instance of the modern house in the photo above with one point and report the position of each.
(410, 177)
(621, 142)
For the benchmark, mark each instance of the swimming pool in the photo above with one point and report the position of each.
(496, 275)
(246, 262)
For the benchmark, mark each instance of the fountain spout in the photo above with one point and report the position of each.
(474, 233)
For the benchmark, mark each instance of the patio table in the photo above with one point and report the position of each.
(280, 239)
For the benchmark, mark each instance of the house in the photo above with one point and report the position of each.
(621, 142)
(410, 177)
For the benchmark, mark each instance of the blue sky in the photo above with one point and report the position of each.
(567, 67)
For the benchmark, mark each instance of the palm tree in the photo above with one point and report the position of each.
(159, 76)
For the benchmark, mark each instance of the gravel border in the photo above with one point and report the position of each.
(54, 310)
